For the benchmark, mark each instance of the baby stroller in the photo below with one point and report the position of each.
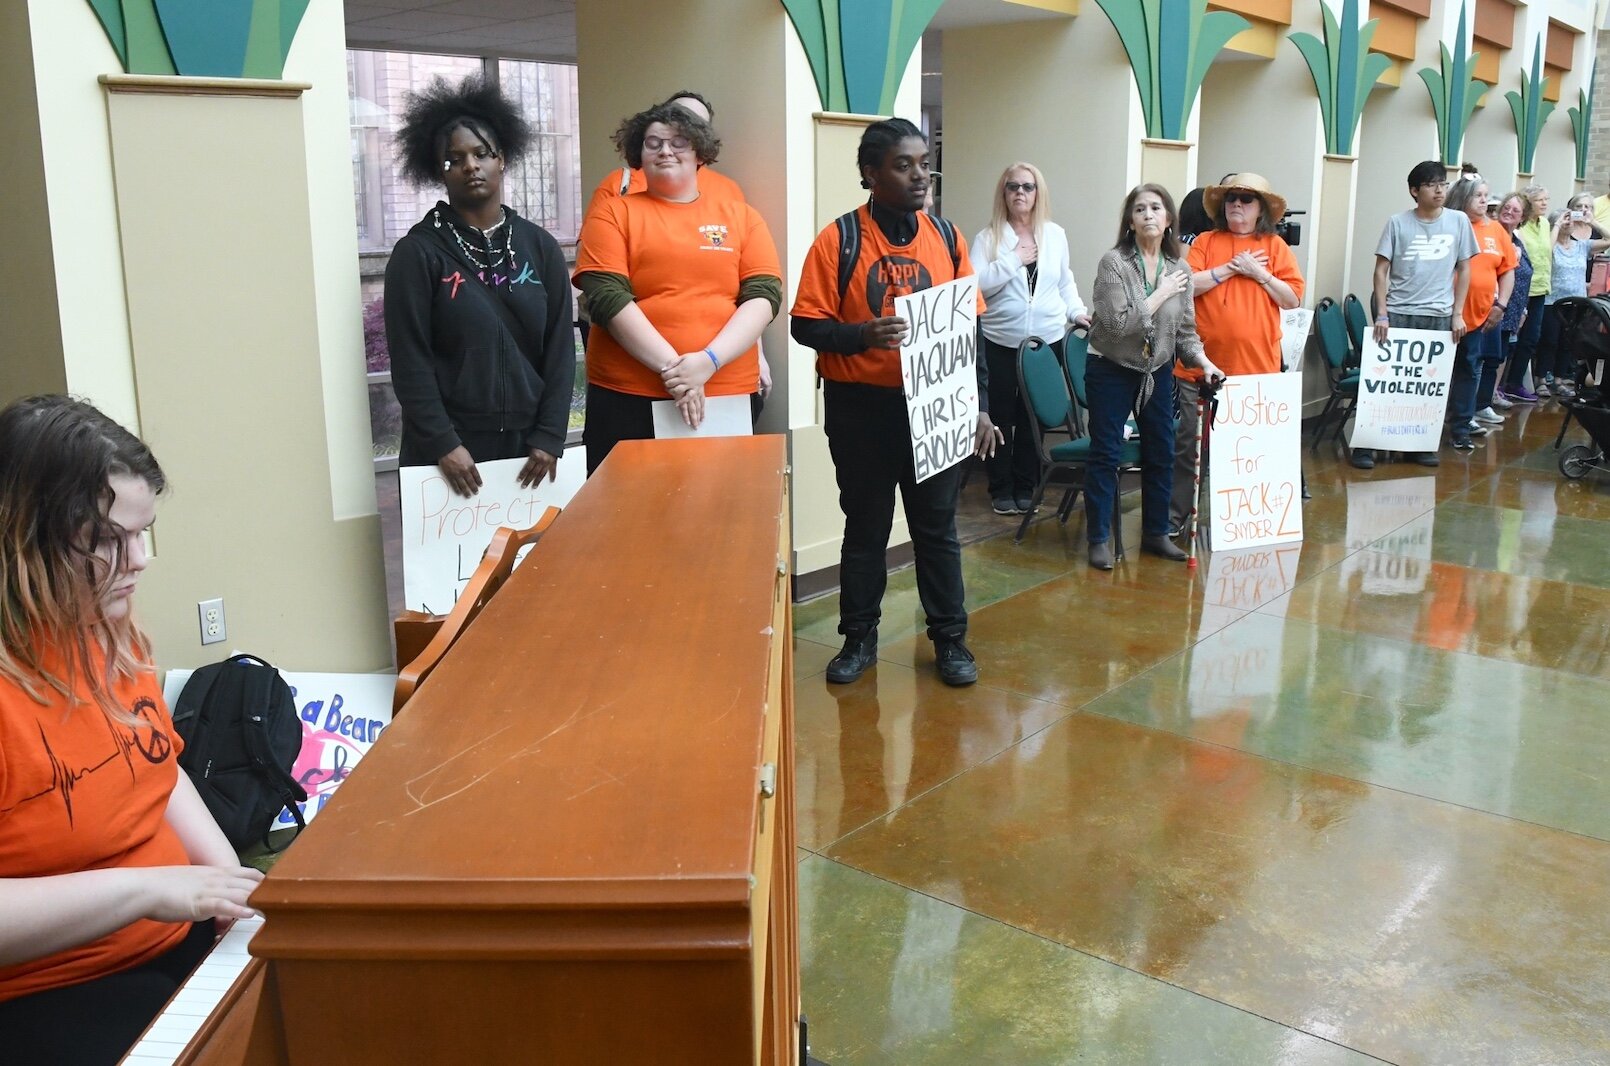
(1585, 330)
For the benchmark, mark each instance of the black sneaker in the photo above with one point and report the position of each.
(956, 665)
(1363, 458)
(851, 662)
(1464, 444)
(1005, 505)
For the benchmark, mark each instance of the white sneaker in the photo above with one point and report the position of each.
(1490, 416)
(1501, 401)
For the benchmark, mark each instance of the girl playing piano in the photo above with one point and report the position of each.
(112, 872)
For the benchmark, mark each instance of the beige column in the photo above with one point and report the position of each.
(1171, 164)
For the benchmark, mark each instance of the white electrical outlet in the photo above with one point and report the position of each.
(213, 630)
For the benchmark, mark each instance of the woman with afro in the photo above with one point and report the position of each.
(478, 315)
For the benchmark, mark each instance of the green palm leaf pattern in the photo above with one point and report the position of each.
(1581, 115)
(1531, 111)
(1170, 45)
(216, 38)
(1344, 72)
(1454, 93)
(859, 49)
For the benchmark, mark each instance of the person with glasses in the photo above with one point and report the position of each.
(679, 284)
(477, 299)
(1537, 236)
(1242, 276)
(1025, 277)
(1492, 281)
(1422, 272)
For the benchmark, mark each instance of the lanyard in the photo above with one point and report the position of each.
(1157, 275)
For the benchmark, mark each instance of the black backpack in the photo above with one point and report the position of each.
(849, 225)
(241, 737)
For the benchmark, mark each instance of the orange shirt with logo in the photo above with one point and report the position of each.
(883, 271)
(80, 792)
(1238, 322)
(711, 183)
(685, 263)
(1495, 256)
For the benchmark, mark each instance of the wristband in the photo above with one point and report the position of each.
(1382, 318)
(1214, 274)
(713, 358)
(1501, 307)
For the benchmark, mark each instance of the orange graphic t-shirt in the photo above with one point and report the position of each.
(882, 272)
(1495, 256)
(80, 792)
(712, 183)
(685, 263)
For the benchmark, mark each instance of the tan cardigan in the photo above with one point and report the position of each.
(1120, 325)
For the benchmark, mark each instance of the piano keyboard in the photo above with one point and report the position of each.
(202, 991)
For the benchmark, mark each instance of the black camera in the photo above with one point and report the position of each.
(1291, 232)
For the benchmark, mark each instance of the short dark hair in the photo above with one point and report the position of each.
(1193, 214)
(1432, 170)
(689, 94)
(433, 113)
(1126, 235)
(629, 136)
(878, 140)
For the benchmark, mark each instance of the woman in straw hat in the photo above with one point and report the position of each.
(1242, 275)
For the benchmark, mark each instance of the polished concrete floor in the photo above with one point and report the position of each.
(1344, 801)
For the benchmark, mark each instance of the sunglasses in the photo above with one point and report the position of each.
(654, 144)
(1240, 197)
(1020, 186)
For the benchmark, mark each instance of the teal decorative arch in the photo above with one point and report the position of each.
(202, 38)
(1454, 92)
(1530, 111)
(858, 49)
(1170, 44)
(1344, 71)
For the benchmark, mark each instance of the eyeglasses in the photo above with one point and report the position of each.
(1020, 186)
(1432, 185)
(678, 144)
(1240, 197)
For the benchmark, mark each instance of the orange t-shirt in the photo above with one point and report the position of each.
(882, 272)
(1238, 323)
(78, 792)
(1495, 255)
(711, 183)
(685, 263)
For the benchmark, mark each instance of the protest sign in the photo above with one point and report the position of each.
(342, 716)
(1403, 390)
(1389, 530)
(1294, 325)
(444, 535)
(938, 365)
(1255, 462)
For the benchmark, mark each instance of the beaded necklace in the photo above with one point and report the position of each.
(474, 255)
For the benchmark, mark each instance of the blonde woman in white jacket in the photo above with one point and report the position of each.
(1022, 263)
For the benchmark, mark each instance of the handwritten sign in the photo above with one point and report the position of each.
(444, 535)
(342, 716)
(938, 365)
(1403, 390)
(1389, 531)
(1235, 672)
(1294, 325)
(1255, 462)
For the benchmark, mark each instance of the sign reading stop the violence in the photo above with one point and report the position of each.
(1403, 390)
(1255, 462)
(938, 367)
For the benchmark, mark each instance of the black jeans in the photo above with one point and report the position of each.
(1113, 390)
(1553, 359)
(1014, 470)
(616, 416)
(98, 1020)
(870, 441)
(1525, 345)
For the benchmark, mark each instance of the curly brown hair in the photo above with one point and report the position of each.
(629, 137)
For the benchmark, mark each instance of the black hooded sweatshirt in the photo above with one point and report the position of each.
(475, 350)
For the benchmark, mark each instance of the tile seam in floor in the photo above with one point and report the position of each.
(1087, 709)
(1053, 942)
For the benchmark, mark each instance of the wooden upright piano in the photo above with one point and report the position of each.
(575, 846)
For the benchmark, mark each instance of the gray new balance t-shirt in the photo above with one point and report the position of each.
(1423, 257)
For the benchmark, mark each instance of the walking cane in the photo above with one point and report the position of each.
(1207, 406)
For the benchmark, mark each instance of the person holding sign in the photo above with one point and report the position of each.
(844, 309)
(1025, 277)
(1242, 276)
(112, 870)
(1422, 272)
(1492, 281)
(679, 286)
(1142, 320)
(477, 299)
